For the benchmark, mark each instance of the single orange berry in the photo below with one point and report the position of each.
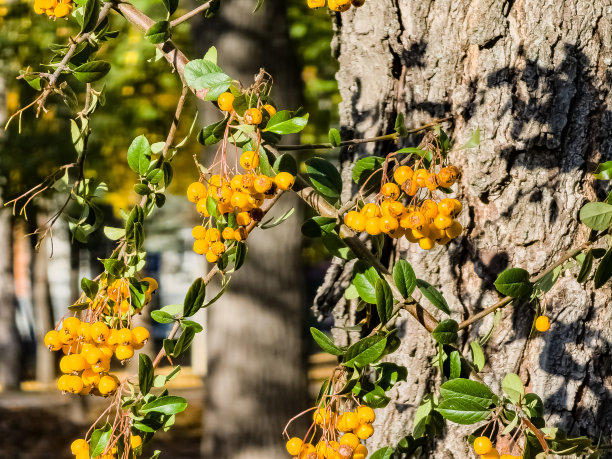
(390, 190)
(426, 243)
(442, 221)
(107, 385)
(284, 180)
(53, 341)
(350, 439)
(79, 445)
(373, 226)
(249, 160)
(419, 176)
(228, 233)
(269, 108)
(198, 232)
(542, 324)
(140, 335)
(124, 352)
(262, 183)
(364, 431)
(211, 257)
(454, 230)
(201, 246)
(371, 210)
(226, 101)
(366, 415)
(315, 3)
(253, 116)
(135, 441)
(482, 445)
(402, 174)
(196, 191)
(294, 445)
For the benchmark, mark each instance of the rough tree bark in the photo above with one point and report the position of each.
(534, 76)
(257, 372)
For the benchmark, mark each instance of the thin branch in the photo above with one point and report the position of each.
(190, 14)
(504, 301)
(66, 59)
(346, 143)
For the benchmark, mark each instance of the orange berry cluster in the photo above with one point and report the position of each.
(241, 195)
(423, 221)
(484, 447)
(80, 448)
(350, 426)
(53, 8)
(336, 5)
(89, 345)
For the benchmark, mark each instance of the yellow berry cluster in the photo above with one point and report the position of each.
(89, 345)
(80, 448)
(423, 221)
(240, 195)
(349, 427)
(484, 447)
(336, 5)
(53, 8)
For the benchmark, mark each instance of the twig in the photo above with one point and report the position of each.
(190, 14)
(504, 301)
(346, 143)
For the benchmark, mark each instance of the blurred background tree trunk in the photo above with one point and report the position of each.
(535, 78)
(257, 376)
(9, 338)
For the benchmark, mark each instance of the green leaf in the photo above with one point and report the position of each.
(79, 306)
(596, 215)
(336, 246)
(318, 226)
(99, 440)
(389, 374)
(161, 317)
(383, 453)
(139, 155)
(334, 137)
(91, 13)
(258, 6)
(478, 356)
(145, 373)
(404, 277)
(194, 298)
(365, 282)
(384, 300)
(89, 287)
(545, 283)
(284, 122)
(204, 74)
(184, 341)
(142, 189)
(211, 55)
(190, 323)
(365, 351)
(241, 253)
(285, 163)
(325, 342)
(532, 405)
(171, 6)
(158, 32)
(466, 389)
(603, 171)
(324, 177)
(271, 224)
(114, 267)
(376, 398)
(365, 167)
(213, 133)
(433, 295)
(114, 233)
(167, 405)
(264, 163)
(91, 71)
(473, 142)
(400, 125)
(514, 282)
(455, 365)
(603, 271)
(586, 267)
(462, 411)
(513, 387)
(446, 332)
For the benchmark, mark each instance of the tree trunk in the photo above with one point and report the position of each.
(10, 347)
(256, 369)
(534, 77)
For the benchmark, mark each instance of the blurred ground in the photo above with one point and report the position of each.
(41, 424)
